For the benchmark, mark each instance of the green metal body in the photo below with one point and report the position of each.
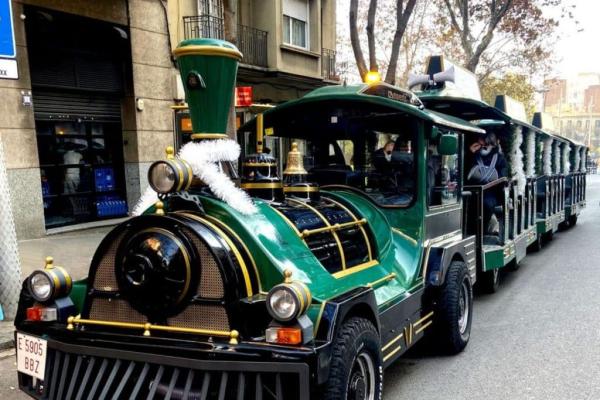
(209, 99)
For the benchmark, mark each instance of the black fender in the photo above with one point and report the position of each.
(357, 302)
(440, 255)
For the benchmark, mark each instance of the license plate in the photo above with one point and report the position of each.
(31, 355)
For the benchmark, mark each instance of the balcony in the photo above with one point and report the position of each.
(328, 65)
(250, 41)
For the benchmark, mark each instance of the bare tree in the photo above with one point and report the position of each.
(403, 13)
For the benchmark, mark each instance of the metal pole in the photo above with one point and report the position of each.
(10, 268)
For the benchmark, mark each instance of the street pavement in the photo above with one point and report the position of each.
(537, 338)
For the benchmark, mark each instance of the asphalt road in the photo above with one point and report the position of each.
(537, 338)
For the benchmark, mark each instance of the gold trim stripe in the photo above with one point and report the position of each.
(332, 228)
(355, 269)
(364, 232)
(420, 321)
(300, 189)
(207, 51)
(147, 327)
(391, 342)
(269, 185)
(232, 232)
(233, 247)
(258, 164)
(423, 327)
(198, 136)
(386, 278)
(326, 222)
(397, 349)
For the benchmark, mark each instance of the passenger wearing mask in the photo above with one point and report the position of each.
(489, 164)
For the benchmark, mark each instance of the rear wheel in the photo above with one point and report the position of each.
(548, 236)
(453, 323)
(513, 265)
(489, 281)
(572, 220)
(356, 371)
(538, 244)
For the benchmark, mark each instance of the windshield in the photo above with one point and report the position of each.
(373, 155)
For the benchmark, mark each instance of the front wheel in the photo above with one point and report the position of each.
(453, 325)
(572, 221)
(489, 281)
(356, 371)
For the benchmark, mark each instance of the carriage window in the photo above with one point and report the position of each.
(443, 176)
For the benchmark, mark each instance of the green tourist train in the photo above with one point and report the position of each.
(348, 226)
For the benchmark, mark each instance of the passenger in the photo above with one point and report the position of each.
(382, 158)
(489, 165)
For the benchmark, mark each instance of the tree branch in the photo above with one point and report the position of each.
(355, 41)
(371, 35)
(402, 18)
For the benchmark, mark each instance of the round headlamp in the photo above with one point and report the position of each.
(170, 176)
(49, 284)
(288, 301)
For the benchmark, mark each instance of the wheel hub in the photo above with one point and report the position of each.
(358, 387)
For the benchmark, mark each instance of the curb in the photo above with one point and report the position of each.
(6, 343)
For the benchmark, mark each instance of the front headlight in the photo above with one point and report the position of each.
(287, 301)
(170, 175)
(49, 283)
(41, 286)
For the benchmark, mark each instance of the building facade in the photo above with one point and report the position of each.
(92, 106)
(574, 105)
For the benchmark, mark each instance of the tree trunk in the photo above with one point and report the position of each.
(371, 36)
(358, 54)
(230, 33)
(402, 18)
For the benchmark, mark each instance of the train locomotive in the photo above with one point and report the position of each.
(301, 274)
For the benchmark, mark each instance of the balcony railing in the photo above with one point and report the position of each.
(328, 65)
(250, 41)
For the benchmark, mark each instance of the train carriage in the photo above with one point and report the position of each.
(291, 287)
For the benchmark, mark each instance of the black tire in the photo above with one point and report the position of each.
(455, 310)
(572, 220)
(513, 265)
(489, 281)
(538, 244)
(548, 236)
(356, 345)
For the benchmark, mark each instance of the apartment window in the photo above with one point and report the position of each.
(295, 23)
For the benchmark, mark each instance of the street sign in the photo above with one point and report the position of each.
(8, 69)
(7, 33)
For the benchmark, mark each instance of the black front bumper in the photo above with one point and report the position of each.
(87, 368)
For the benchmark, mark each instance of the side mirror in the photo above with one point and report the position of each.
(448, 144)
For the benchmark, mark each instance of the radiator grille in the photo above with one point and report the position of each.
(211, 282)
(115, 310)
(91, 375)
(202, 316)
(105, 278)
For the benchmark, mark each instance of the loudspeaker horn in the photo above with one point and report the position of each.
(448, 75)
(418, 79)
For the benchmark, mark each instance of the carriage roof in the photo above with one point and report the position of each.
(361, 101)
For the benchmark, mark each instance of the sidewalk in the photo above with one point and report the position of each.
(73, 251)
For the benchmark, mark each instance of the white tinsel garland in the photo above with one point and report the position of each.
(566, 163)
(516, 160)
(204, 158)
(547, 157)
(556, 163)
(577, 161)
(530, 146)
(583, 163)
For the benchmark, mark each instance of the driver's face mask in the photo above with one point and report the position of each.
(485, 150)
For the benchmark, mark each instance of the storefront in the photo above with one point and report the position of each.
(79, 69)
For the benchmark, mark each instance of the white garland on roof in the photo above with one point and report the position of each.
(556, 153)
(204, 158)
(530, 146)
(583, 163)
(516, 160)
(547, 157)
(566, 161)
(577, 160)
